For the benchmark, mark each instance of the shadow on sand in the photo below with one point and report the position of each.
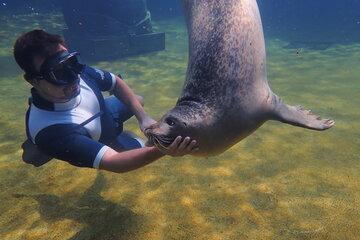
(103, 219)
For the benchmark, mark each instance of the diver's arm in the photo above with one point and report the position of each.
(123, 92)
(121, 162)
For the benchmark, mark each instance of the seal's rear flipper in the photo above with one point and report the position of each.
(298, 116)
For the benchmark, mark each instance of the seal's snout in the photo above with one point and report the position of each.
(150, 129)
(150, 135)
(148, 132)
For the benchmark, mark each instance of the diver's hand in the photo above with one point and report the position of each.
(146, 122)
(181, 146)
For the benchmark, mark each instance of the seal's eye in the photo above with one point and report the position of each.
(169, 122)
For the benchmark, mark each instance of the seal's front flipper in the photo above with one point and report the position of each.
(298, 116)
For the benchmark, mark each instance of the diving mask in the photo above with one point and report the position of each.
(61, 69)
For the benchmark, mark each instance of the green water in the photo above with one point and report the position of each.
(281, 182)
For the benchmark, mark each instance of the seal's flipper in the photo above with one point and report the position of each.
(298, 116)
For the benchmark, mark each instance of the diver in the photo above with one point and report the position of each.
(69, 119)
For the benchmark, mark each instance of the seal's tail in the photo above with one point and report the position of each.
(298, 116)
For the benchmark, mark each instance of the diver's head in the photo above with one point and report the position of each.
(48, 66)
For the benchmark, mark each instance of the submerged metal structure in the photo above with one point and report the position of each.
(109, 29)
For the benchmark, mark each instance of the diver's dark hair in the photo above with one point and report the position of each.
(35, 43)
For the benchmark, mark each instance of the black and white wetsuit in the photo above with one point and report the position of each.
(56, 128)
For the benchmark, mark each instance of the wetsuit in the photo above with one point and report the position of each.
(58, 129)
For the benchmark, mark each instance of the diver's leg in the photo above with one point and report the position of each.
(126, 140)
(118, 110)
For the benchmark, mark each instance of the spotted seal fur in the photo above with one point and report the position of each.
(226, 95)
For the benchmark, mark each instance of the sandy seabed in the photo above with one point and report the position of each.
(281, 182)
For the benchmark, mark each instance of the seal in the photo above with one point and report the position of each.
(226, 95)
